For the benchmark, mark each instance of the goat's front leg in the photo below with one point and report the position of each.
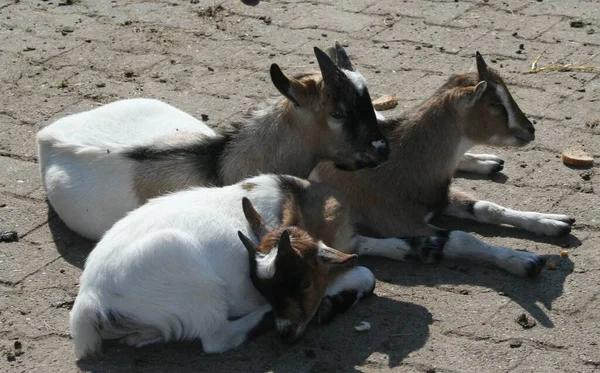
(345, 288)
(483, 164)
(425, 248)
(463, 206)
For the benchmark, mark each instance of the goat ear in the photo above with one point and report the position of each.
(256, 222)
(289, 87)
(334, 258)
(482, 70)
(284, 247)
(342, 60)
(478, 92)
(328, 68)
(331, 52)
(248, 244)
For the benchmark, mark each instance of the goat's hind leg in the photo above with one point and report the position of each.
(463, 206)
(462, 245)
(483, 164)
(346, 287)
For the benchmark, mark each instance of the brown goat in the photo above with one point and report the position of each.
(427, 146)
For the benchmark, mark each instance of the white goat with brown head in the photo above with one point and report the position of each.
(98, 165)
(175, 269)
(428, 145)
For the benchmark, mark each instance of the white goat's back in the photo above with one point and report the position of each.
(174, 266)
(79, 154)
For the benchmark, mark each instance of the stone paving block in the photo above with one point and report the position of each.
(564, 32)
(580, 205)
(47, 101)
(574, 9)
(416, 31)
(21, 259)
(18, 177)
(331, 18)
(18, 139)
(526, 27)
(432, 12)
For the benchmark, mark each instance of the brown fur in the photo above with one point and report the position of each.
(395, 198)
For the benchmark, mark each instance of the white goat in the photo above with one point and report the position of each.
(175, 269)
(98, 165)
(427, 146)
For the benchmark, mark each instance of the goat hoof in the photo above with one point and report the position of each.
(497, 168)
(534, 266)
(429, 249)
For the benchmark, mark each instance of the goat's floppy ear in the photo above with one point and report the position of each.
(289, 87)
(482, 69)
(342, 59)
(333, 257)
(256, 222)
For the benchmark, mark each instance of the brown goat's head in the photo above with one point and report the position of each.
(338, 106)
(491, 115)
(290, 270)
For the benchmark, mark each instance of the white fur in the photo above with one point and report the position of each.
(545, 224)
(80, 154)
(393, 248)
(357, 278)
(265, 264)
(177, 257)
(482, 164)
(175, 269)
(461, 148)
(357, 79)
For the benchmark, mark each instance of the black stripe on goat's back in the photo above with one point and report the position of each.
(205, 154)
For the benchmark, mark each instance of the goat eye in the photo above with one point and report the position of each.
(337, 115)
(306, 285)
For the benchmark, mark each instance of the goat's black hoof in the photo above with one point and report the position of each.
(534, 266)
(501, 161)
(564, 231)
(429, 249)
(497, 168)
(571, 221)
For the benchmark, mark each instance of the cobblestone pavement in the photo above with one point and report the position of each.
(211, 58)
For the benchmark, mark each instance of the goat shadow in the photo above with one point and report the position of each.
(527, 293)
(398, 328)
(498, 177)
(71, 246)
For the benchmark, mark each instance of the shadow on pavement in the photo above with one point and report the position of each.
(398, 328)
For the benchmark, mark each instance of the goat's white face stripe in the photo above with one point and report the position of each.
(501, 92)
(379, 144)
(265, 264)
(357, 79)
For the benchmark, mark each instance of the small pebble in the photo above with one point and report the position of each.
(564, 253)
(577, 24)
(363, 327)
(515, 344)
(551, 265)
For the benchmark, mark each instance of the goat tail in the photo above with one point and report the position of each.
(84, 322)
